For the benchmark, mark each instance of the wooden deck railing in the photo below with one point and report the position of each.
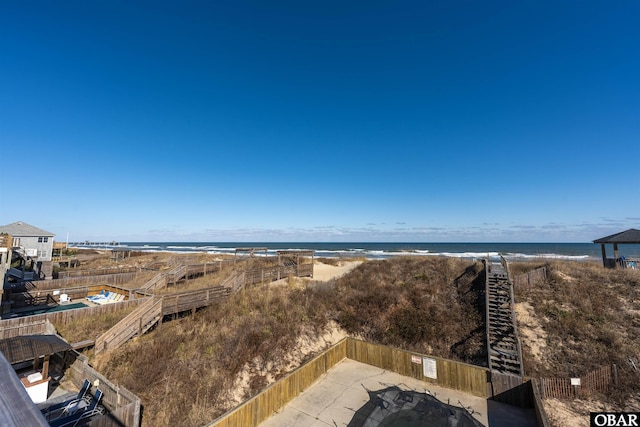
(151, 312)
(145, 316)
(178, 273)
(191, 300)
(235, 281)
(158, 281)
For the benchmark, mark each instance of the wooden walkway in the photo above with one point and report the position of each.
(503, 344)
(156, 307)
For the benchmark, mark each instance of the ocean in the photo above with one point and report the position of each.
(511, 251)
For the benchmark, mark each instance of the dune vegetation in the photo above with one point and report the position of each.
(588, 317)
(190, 370)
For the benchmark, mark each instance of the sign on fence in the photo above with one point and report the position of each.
(429, 368)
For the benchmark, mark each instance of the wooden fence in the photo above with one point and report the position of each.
(260, 407)
(530, 279)
(96, 272)
(451, 374)
(123, 405)
(113, 279)
(558, 388)
(455, 375)
(37, 297)
(66, 316)
(25, 326)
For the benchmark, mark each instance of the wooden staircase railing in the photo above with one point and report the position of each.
(157, 281)
(149, 313)
(135, 323)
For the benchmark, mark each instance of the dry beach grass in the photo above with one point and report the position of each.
(191, 370)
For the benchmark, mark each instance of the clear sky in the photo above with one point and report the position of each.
(432, 121)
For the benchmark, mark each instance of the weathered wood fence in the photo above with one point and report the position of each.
(113, 279)
(96, 272)
(16, 327)
(530, 279)
(598, 380)
(64, 317)
(260, 407)
(35, 297)
(123, 405)
(460, 376)
(456, 375)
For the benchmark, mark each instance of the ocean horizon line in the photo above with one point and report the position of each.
(379, 250)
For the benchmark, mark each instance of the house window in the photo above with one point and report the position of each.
(40, 239)
(45, 239)
(42, 254)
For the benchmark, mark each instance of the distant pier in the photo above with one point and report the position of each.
(88, 243)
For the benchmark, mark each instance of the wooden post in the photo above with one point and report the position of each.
(615, 253)
(45, 367)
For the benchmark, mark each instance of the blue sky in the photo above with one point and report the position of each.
(433, 121)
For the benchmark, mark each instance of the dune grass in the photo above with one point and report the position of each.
(187, 371)
(92, 326)
(591, 317)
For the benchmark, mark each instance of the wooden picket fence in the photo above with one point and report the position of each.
(598, 380)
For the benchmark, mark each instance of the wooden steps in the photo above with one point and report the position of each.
(145, 316)
(503, 344)
(140, 320)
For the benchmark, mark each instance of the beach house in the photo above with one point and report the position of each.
(32, 244)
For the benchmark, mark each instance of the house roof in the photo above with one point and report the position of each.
(22, 229)
(631, 236)
(16, 407)
(28, 347)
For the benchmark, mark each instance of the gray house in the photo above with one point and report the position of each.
(31, 242)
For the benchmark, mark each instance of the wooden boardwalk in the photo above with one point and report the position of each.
(503, 343)
(152, 311)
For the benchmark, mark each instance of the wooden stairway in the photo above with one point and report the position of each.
(145, 316)
(140, 320)
(503, 344)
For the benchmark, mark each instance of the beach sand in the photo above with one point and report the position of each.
(324, 272)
